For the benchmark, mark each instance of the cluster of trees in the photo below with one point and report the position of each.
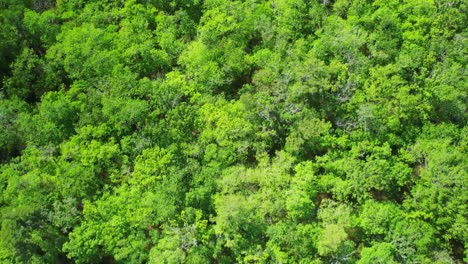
(218, 131)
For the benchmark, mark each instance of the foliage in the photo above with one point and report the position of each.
(188, 131)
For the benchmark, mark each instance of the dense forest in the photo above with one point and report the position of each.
(222, 131)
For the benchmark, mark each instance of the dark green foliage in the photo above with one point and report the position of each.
(11, 140)
(215, 131)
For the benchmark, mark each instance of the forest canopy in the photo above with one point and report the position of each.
(229, 131)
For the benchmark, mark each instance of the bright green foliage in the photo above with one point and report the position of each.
(216, 131)
(380, 253)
